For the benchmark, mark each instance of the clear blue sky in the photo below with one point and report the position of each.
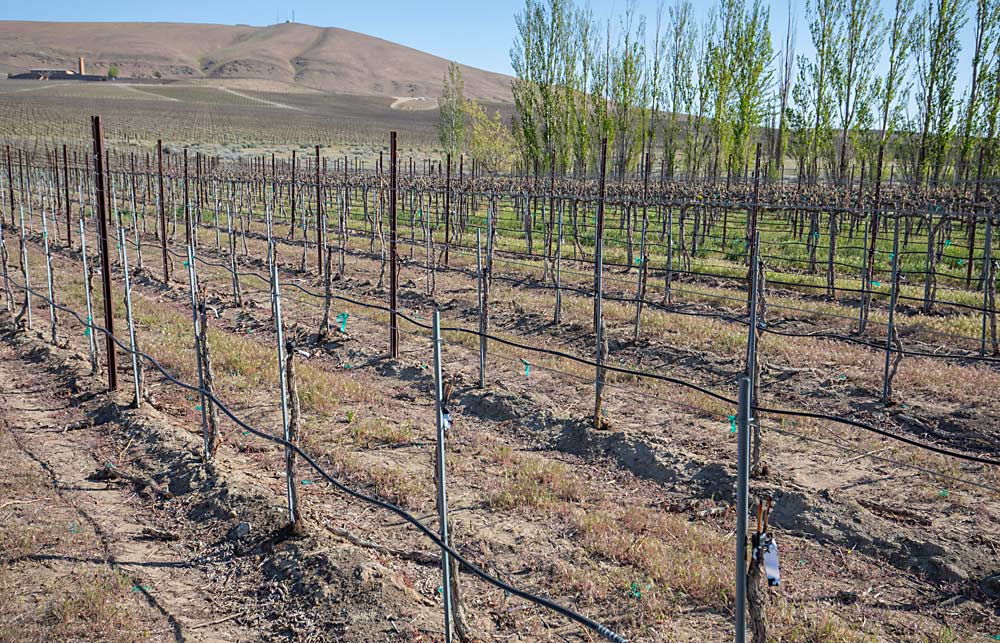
(473, 32)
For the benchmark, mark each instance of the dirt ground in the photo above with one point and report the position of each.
(631, 525)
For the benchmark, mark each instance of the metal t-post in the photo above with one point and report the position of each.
(393, 276)
(987, 260)
(864, 284)
(442, 499)
(479, 285)
(92, 344)
(193, 281)
(26, 269)
(131, 321)
(48, 275)
(293, 512)
(893, 293)
(742, 484)
(557, 319)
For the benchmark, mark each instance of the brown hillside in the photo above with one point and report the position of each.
(324, 58)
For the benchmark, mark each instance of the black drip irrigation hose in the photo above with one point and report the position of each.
(656, 305)
(630, 372)
(384, 504)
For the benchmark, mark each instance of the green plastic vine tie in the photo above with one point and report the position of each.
(876, 283)
(141, 588)
(342, 318)
(732, 424)
(634, 590)
(527, 367)
(961, 262)
(943, 493)
(947, 242)
(307, 482)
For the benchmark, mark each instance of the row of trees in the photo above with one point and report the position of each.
(698, 95)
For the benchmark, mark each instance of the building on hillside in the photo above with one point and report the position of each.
(80, 73)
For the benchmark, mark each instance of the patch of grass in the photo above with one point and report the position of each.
(680, 558)
(372, 431)
(536, 483)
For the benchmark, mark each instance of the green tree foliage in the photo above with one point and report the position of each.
(936, 48)
(490, 140)
(710, 89)
(452, 111)
(859, 37)
(751, 78)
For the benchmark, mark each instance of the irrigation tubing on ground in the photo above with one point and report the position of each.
(402, 513)
(666, 378)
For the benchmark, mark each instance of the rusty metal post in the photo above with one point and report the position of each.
(319, 217)
(69, 225)
(102, 220)
(10, 184)
(163, 215)
(291, 230)
(393, 277)
(447, 211)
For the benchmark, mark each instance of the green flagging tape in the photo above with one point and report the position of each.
(186, 264)
(732, 424)
(892, 255)
(635, 590)
(141, 588)
(943, 493)
(961, 261)
(947, 242)
(197, 408)
(246, 433)
(347, 366)
(307, 482)
(841, 377)
(876, 283)
(527, 367)
(816, 235)
(342, 318)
